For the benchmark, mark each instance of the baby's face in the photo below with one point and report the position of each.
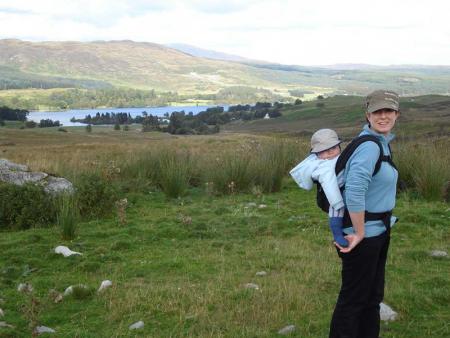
(329, 153)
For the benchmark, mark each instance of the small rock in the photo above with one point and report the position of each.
(65, 251)
(25, 288)
(43, 329)
(261, 273)
(137, 325)
(438, 253)
(2, 314)
(5, 324)
(104, 285)
(55, 296)
(262, 206)
(251, 286)
(68, 291)
(286, 330)
(386, 313)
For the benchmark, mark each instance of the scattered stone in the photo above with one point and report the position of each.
(262, 206)
(386, 313)
(287, 330)
(43, 329)
(261, 273)
(25, 288)
(438, 253)
(55, 296)
(104, 285)
(2, 314)
(251, 286)
(65, 251)
(5, 324)
(137, 325)
(68, 291)
(20, 174)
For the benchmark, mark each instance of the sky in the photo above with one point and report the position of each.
(319, 32)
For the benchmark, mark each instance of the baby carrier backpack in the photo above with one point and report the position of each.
(322, 201)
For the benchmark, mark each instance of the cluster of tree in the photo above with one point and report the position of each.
(10, 114)
(209, 121)
(42, 124)
(241, 94)
(91, 98)
(116, 118)
(11, 78)
(48, 123)
(77, 98)
(182, 123)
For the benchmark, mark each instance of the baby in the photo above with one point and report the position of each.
(319, 167)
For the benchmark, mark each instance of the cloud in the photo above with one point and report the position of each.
(285, 31)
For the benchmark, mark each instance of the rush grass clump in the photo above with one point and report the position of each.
(67, 216)
(423, 168)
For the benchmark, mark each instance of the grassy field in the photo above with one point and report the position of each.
(181, 265)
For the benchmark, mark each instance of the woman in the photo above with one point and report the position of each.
(357, 311)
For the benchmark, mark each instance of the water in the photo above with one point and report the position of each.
(64, 116)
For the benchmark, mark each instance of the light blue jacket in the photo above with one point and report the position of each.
(366, 192)
(314, 169)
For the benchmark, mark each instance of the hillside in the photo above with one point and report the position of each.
(144, 65)
(421, 115)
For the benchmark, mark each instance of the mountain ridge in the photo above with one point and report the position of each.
(148, 65)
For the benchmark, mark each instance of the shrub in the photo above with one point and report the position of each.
(24, 207)
(89, 128)
(116, 126)
(30, 124)
(95, 196)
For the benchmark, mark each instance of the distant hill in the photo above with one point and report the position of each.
(210, 54)
(145, 65)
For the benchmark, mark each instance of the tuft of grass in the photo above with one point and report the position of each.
(82, 292)
(173, 172)
(67, 216)
(423, 168)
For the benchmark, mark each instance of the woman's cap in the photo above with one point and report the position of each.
(324, 139)
(382, 99)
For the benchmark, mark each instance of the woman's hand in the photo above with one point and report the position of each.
(353, 240)
(359, 228)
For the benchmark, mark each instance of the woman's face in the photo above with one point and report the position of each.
(382, 121)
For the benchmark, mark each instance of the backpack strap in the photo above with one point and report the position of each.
(350, 149)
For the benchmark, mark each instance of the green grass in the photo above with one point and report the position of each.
(180, 266)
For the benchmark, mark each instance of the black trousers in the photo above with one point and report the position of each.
(357, 311)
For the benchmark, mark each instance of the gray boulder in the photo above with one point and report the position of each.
(19, 174)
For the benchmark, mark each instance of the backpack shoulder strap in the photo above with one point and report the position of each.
(350, 149)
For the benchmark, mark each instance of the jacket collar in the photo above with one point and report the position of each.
(386, 138)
